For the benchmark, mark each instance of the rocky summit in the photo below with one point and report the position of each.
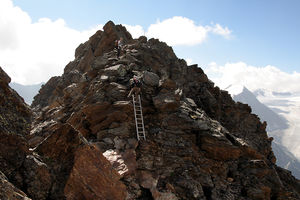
(78, 140)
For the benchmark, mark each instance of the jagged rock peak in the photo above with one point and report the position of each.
(103, 41)
(200, 143)
(15, 115)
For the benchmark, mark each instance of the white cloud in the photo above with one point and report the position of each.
(183, 31)
(34, 52)
(178, 31)
(219, 30)
(267, 77)
(136, 31)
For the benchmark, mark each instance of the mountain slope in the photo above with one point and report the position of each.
(200, 143)
(286, 159)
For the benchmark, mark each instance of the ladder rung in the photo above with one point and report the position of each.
(138, 114)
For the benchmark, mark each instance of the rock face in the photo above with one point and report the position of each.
(15, 118)
(200, 143)
(9, 191)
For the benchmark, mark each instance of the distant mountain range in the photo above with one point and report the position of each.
(274, 120)
(26, 91)
(286, 159)
(276, 123)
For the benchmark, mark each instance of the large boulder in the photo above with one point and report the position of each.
(92, 177)
(150, 78)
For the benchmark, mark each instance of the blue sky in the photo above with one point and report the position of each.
(256, 33)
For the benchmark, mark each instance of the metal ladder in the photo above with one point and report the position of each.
(138, 115)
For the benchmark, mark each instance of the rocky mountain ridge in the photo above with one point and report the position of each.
(200, 143)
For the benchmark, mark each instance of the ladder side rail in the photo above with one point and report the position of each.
(142, 117)
(135, 118)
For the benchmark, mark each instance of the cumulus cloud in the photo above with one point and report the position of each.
(136, 31)
(34, 52)
(178, 31)
(253, 77)
(183, 31)
(219, 30)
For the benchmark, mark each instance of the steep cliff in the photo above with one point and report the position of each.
(200, 143)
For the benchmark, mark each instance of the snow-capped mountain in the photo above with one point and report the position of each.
(279, 110)
(287, 105)
(273, 119)
(286, 159)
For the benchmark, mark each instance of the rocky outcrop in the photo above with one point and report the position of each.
(200, 143)
(15, 119)
(62, 165)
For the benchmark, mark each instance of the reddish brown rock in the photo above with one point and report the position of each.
(37, 178)
(200, 143)
(217, 150)
(58, 151)
(92, 177)
(15, 119)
